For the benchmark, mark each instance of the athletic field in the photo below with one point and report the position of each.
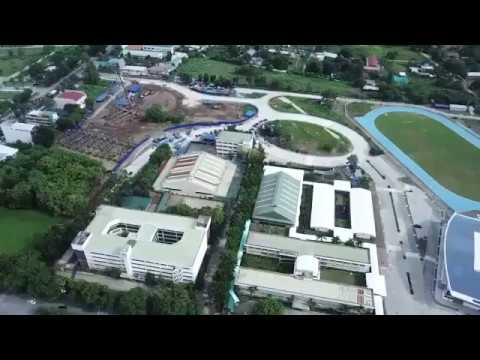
(441, 152)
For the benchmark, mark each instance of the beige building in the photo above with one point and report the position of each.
(230, 143)
(198, 175)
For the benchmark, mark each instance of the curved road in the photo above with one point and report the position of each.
(359, 146)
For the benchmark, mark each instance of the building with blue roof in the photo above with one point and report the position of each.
(461, 256)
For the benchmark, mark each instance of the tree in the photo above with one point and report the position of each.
(23, 97)
(43, 135)
(280, 62)
(132, 302)
(155, 113)
(94, 50)
(391, 55)
(91, 74)
(36, 71)
(346, 53)
(352, 162)
(21, 196)
(150, 279)
(314, 67)
(116, 50)
(268, 306)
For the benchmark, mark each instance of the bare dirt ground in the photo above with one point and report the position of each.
(113, 130)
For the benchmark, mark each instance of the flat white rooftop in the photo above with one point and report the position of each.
(6, 151)
(361, 210)
(298, 247)
(307, 288)
(180, 254)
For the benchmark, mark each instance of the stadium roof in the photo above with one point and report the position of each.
(197, 173)
(234, 137)
(317, 289)
(181, 253)
(277, 199)
(302, 247)
(462, 256)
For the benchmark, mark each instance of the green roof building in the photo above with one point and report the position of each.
(277, 200)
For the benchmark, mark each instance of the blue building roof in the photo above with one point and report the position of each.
(463, 280)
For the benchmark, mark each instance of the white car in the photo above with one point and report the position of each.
(32, 301)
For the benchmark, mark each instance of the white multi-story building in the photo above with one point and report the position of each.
(137, 242)
(154, 51)
(73, 97)
(230, 143)
(15, 131)
(39, 117)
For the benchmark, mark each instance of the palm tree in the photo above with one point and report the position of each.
(311, 303)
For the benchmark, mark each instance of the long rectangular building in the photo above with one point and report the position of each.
(286, 287)
(137, 242)
(330, 255)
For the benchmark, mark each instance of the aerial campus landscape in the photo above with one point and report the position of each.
(239, 180)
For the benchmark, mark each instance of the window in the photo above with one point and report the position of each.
(167, 236)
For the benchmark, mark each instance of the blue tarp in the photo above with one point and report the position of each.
(135, 88)
(453, 200)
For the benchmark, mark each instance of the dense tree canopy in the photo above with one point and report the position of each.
(268, 306)
(61, 181)
(43, 135)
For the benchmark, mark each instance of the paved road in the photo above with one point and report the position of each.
(15, 305)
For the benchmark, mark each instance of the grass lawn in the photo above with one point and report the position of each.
(343, 277)
(359, 108)
(299, 83)
(10, 65)
(93, 91)
(4, 106)
(446, 156)
(17, 228)
(280, 105)
(311, 139)
(315, 108)
(265, 263)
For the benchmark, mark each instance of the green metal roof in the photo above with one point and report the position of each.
(277, 199)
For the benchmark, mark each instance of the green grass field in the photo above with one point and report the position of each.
(265, 263)
(313, 107)
(311, 139)
(93, 91)
(359, 108)
(280, 105)
(446, 156)
(17, 228)
(298, 83)
(11, 64)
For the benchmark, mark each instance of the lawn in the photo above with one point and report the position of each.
(17, 228)
(446, 156)
(299, 83)
(12, 64)
(280, 105)
(315, 108)
(266, 263)
(310, 138)
(359, 108)
(343, 277)
(93, 91)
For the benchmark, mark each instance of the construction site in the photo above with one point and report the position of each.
(115, 127)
